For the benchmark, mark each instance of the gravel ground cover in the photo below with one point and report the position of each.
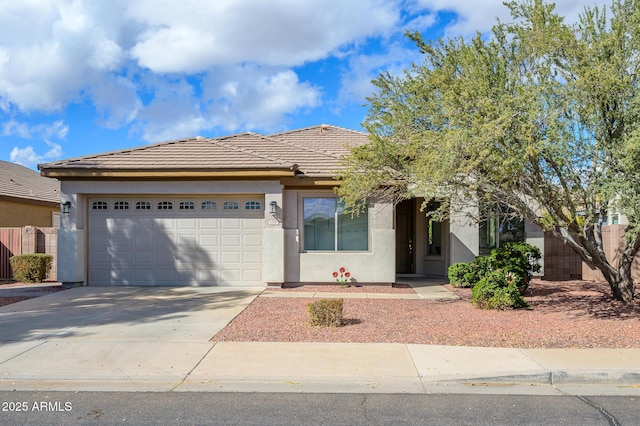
(562, 314)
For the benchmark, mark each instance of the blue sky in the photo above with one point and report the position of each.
(81, 77)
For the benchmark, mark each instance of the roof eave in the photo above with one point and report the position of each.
(31, 201)
(69, 173)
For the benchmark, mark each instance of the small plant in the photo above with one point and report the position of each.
(31, 268)
(459, 274)
(468, 274)
(326, 313)
(495, 291)
(342, 277)
(519, 258)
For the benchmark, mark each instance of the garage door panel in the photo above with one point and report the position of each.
(229, 276)
(123, 276)
(209, 223)
(144, 257)
(175, 247)
(252, 257)
(144, 276)
(209, 241)
(164, 256)
(251, 275)
(252, 240)
(123, 257)
(256, 225)
(186, 240)
(230, 257)
(232, 240)
(191, 223)
(230, 224)
(99, 257)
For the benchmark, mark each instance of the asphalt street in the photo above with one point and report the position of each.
(141, 408)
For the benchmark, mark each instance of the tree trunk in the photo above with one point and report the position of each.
(623, 287)
(620, 280)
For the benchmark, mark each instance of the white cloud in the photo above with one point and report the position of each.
(356, 79)
(116, 99)
(173, 113)
(27, 156)
(56, 130)
(169, 69)
(480, 15)
(79, 50)
(46, 64)
(257, 98)
(194, 35)
(15, 128)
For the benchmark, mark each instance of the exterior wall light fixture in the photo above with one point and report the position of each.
(273, 206)
(66, 207)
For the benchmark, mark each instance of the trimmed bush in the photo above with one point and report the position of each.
(468, 274)
(31, 268)
(481, 267)
(495, 291)
(458, 274)
(514, 258)
(326, 313)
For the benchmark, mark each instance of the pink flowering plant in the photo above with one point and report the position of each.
(342, 277)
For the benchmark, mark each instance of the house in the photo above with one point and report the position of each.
(245, 209)
(26, 198)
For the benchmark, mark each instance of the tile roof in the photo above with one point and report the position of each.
(318, 149)
(315, 150)
(17, 181)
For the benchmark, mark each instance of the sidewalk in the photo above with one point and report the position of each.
(134, 339)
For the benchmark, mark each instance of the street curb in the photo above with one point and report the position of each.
(559, 377)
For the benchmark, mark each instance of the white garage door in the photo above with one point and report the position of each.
(176, 241)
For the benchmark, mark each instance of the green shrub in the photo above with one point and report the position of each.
(326, 313)
(481, 267)
(31, 268)
(514, 257)
(458, 273)
(495, 291)
(468, 274)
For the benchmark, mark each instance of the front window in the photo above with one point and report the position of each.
(434, 232)
(328, 227)
(500, 227)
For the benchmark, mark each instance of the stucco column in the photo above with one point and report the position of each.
(273, 240)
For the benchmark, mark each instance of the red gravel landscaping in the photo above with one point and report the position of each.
(562, 314)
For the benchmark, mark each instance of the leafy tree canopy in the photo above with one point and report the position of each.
(542, 116)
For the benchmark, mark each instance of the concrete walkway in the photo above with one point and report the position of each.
(425, 288)
(157, 339)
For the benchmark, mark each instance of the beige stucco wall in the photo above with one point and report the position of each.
(376, 265)
(14, 214)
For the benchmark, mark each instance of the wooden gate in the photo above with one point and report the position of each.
(10, 245)
(27, 240)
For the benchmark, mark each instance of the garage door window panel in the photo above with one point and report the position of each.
(253, 205)
(100, 205)
(230, 205)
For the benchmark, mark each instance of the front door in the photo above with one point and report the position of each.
(405, 235)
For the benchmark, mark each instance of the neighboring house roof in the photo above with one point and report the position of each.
(18, 183)
(313, 152)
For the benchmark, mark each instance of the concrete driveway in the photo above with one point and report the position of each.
(143, 336)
